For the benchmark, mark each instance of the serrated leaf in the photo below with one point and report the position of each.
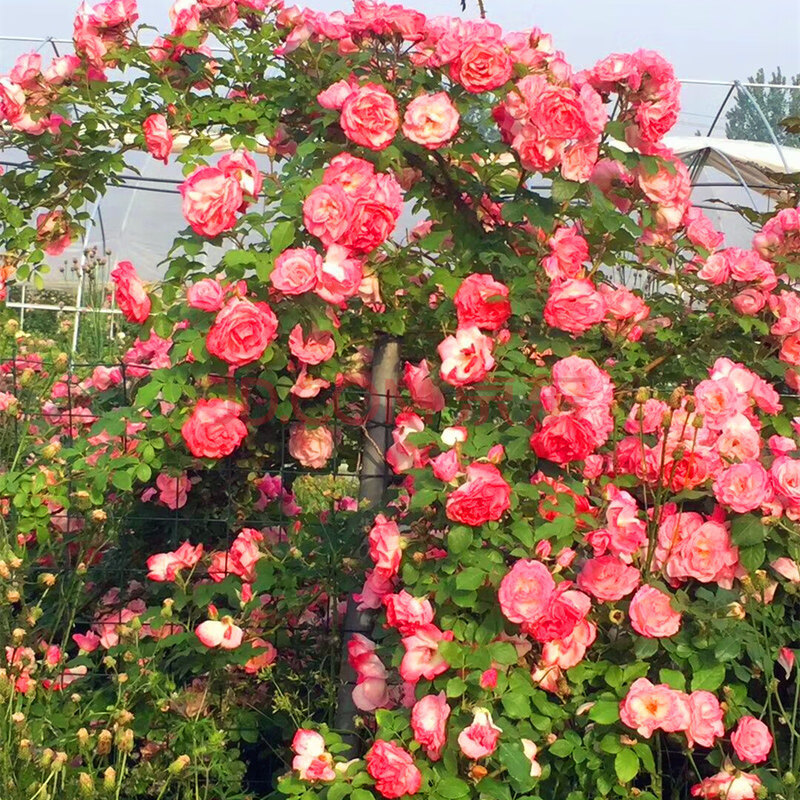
(708, 678)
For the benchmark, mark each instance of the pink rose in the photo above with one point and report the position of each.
(220, 633)
(340, 276)
(608, 579)
(316, 348)
(429, 723)
(173, 489)
(647, 708)
(482, 302)
(431, 120)
(564, 438)
(129, 293)
(751, 740)
(407, 613)
(525, 592)
(165, 566)
(241, 166)
(157, 137)
(424, 392)
(479, 739)
(484, 497)
(214, 429)
(393, 770)
(729, 786)
(705, 725)
(574, 306)
(210, 201)
(311, 761)
(569, 251)
(312, 447)
(466, 357)
(242, 331)
(207, 295)
(422, 658)
(54, 231)
(652, 615)
(385, 545)
(327, 213)
(743, 487)
(582, 382)
(334, 96)
(369, 117)
(296, 270)
(482, 65)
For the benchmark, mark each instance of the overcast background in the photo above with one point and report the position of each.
(716, 40)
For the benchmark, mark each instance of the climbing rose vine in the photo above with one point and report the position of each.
(582, 581)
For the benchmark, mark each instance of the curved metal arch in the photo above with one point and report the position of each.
(749, 95)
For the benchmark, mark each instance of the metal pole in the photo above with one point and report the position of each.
(79, 298)
(372, 485)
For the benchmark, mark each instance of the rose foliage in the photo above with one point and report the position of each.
(583, 583)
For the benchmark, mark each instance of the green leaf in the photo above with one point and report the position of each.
(338, 791)
(122, 480)
(673, 678)
(708, 678)
(728, 648)
(459, 539)
(516, 705)
(455, 687)
(561, 748)
(282, 235)
(747, 530)
(626, 765)
(752, 557)
(451, 787)
(605, 712)
(470, 578)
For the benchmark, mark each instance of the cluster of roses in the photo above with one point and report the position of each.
(23, 664)
(352, 212)
(648, 708)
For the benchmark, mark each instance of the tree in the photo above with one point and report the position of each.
(743, 120)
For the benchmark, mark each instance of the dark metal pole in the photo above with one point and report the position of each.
(372, 485)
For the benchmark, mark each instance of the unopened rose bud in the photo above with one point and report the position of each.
(109, 662)
(478, 772)
(25, 748)
(124, 718)
(109, 779)
(47, 579)
(26, 376)
(75, 697)
(642, 395)
(81, 569)
(34, 615)
(61, 361)
(82, 499)
(125, 740)
(13, 596)
(5, 572)
(46, 759)
(18, 718)
(15, 562)
(676, 397)
(98, 515)
(698, 420)
(179, 764)
(51, 450)
(104, 739)
(83, 737)
(616, 617)
(11, 327)
(86, 785)
(789, 779)
(59, 760)
(736, 611)
(122, 677)
(17, 635)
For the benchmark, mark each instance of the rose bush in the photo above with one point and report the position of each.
(583, 581)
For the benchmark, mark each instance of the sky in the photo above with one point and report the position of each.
(718, 40)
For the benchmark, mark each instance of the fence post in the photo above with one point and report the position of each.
(372, 485)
